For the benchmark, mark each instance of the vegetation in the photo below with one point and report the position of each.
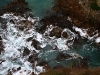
(73, 71)
(94, 6)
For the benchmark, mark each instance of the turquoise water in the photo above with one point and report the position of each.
(88, 49)
(40, 7)
(92, 51)
(3, 2)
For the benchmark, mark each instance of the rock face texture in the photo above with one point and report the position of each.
(16, 6)
(98, 2)
(84, 13)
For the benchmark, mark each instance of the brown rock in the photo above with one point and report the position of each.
(65, 35)
(36, 44)
(26, 51)
(56, 32)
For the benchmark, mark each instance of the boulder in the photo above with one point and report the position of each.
(26, 51)
(56, 32)
(65, 35)
(36, 44)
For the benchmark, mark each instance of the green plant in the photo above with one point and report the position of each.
(94, 6)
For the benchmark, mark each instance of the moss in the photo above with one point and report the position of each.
(94, 6)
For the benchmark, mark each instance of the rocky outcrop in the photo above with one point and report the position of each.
(36, 44)
(80, 12)
(56, 32)
(16, 6)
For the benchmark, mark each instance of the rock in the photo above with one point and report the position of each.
(29, 39)
(24, 24)
(65, 35)
(81, 13)
(19, 68)
(26, 51)
(36, 44)
(32, 58)
(1, 46)
(85, 62)
(0, 38)
(16, 6)
(12, 21)
(56, 32)
(62, 56)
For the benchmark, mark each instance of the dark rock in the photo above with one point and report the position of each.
(32, 58)
(62, 56)
(36, 44)
(26, 51)
(84, 62)
(12, 21)
(29, 39)
(1, 50)
(65, 35)
(42, 63)
(1, 47)
(32, 73)
(1, 60)
(56, 32)
(16, 6)
(19, 68)
(0, 38)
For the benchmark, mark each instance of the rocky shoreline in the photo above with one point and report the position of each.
(81, 14)
(71, 22)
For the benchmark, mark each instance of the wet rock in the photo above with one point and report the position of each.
(62, 56)
(26, 51)
(36, 44)
(0, 38)
(56, 32)
(1, 50)
(16, 6)
(1, 60)
(85, 62)
(1, 46)
(24, 24)
(12, 21)
(19, 68)
(32, 58)
(81, 13)
(65, 35)
(29, 39)
(9, 73)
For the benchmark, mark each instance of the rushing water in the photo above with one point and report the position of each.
(87, 49)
